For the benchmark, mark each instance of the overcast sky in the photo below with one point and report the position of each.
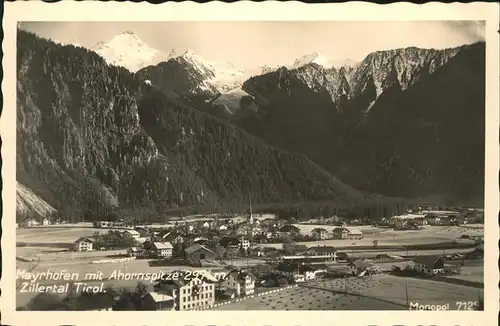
(271, 43)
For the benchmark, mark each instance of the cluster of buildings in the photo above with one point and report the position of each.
(31, 222)
(414, 220)
(200, 240)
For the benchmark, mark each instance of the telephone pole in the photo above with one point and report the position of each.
(406, 290)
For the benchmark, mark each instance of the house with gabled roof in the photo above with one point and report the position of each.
(289, 229)
(173, 237)
(430, 265)
(241, 281)
(360, 267)
(328, 252)
(162, 249)
(319, 234)
(197, 253)
(157, 301)
(347, 233)
(84, 244)
(305, 273)
(131, 234)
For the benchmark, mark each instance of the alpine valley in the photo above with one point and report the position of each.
(124, 125)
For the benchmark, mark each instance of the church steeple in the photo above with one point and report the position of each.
(251, 216)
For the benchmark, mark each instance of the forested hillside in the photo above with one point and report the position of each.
(92, 138)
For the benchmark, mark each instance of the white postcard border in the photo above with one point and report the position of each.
(249, 11)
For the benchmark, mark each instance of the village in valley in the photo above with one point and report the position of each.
(425, 259)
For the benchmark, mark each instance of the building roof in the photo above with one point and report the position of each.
(362, 263)
(195, 248)
(162, 245)
(340, 229)
(306, 268)
(171, 236)
(135, 249)
(133, 232)
(160, 297)
(86, 239)
(240, 275)
(319, 266)
(427, 260)
(323, 249)
(319, 230)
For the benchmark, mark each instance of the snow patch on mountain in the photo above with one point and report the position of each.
(232, 101)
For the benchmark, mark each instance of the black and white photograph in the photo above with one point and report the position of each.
(287, 163)
(250, 165)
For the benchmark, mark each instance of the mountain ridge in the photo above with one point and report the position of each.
(92, 137)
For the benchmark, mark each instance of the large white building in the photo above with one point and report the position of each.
(188, 292)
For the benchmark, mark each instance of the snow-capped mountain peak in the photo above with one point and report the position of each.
(129, 51)
(221, 76)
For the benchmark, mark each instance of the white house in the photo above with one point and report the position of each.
(163, 249)
(244, 243)
(31, 223)
(242, 282)
(355, 234)
(346, 233)
(84, 244)
(45, 221)
(135, 251)
(307, 273)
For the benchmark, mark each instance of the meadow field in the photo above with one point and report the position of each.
(379, 292)
(386, 237)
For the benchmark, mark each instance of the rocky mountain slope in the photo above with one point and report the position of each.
(29, 204)
(321, 108)
(91, 138)
(399, 123)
